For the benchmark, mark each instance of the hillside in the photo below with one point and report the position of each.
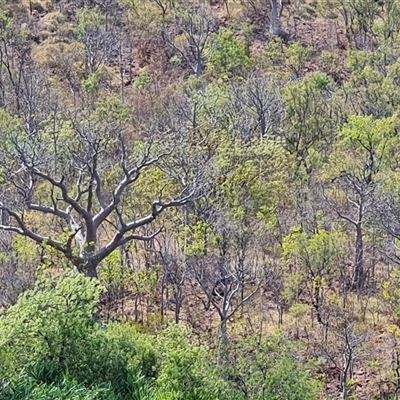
(228, 166)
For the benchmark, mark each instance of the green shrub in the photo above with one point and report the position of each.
(53, 325)
(25, 387)
(269, 371)
(186, 371)
(229, 56)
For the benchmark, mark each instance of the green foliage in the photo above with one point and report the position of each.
(251, 177)
(51, 333)
(293, 57)
(277, 133)
(311, 118)
(268, 370)
(175, 60)
(142, 82)
(312, 262)
(229, 55)
(201, 238)
(185, 372)
(391, 296)
(89, 18)
(25, 387)
(365, 147)
(51, 347)
(137, 350)
(373, 85)
(11, 127)
(6, 23)
(315, 252)
(90, 85)
(54, 324)
(54, 321)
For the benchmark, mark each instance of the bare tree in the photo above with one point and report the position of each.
(188, 36)
(228, 285)
(345, 355)
(79, 176)
(176, 273)
(228, 274)
(256, 107)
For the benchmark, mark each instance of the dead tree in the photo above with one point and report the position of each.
(229, 272)
(61, 176)
(344, 352)
(188, 36)
(226, 285)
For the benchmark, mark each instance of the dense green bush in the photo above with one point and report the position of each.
(25, 387)
(52, 327)
(229, 56)
(53, 321)
(186, 372)
(268, 370)
(52, 347)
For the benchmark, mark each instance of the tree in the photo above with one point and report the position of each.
(343, 351)
(310, 117)
(175, 269)
(361, 156)
(256, 109)
(230, 225)
(229, 56)
(276, 13)
(313, 268)
(229, 277)
(359, 17)
(78, 173)
(190, 34)
(185, 370)
(373, 88)
(266, 11)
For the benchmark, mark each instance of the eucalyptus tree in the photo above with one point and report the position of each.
(310, 118)
(373, 88)
(232, 224)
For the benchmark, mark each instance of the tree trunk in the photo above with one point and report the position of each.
(358, 281)
(198, 69)
(223, 341)
(91, 268)
(275, 23)
(178, 301)
(223, 332)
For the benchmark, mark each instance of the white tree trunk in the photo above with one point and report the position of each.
(275, 23)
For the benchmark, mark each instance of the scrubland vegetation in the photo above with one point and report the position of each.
(199, 199)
